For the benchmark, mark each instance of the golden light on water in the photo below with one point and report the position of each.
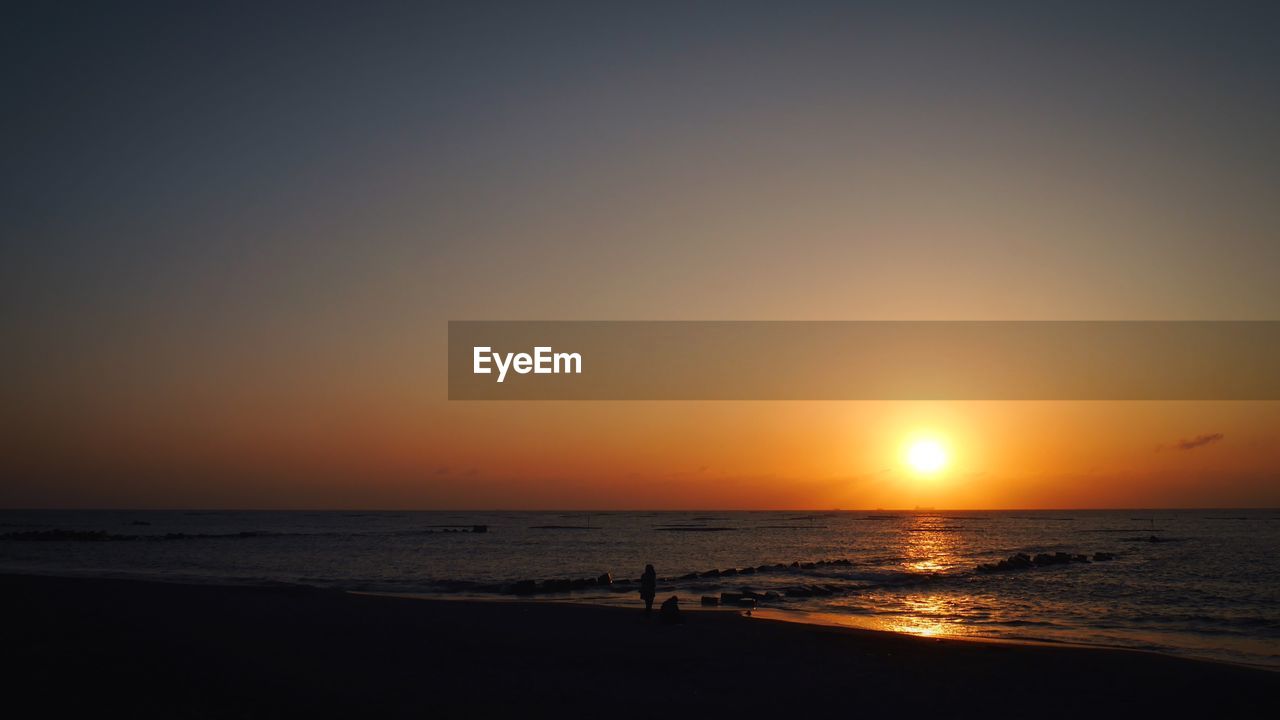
(928, 616)
(931, 547)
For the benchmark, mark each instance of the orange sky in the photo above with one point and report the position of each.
(232, 273)
(671, 455)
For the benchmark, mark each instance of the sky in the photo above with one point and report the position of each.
(234, 235)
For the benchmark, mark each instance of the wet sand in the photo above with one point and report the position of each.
(88, 645)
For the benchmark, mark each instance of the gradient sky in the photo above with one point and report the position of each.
(233, 235)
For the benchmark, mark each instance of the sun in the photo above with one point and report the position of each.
(926, 456)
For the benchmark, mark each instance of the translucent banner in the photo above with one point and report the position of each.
(864, 360)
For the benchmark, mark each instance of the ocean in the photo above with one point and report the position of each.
(1196, 583)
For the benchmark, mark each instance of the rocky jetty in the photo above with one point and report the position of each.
(558, 585)
(804, 591)
(61, 535)
(1023, 561)
(746, 597)
(66, 536)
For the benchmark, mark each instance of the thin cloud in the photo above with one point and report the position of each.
(1198, 441)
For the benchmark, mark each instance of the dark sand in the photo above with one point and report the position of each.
(88, 646)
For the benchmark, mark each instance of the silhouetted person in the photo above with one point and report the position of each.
(648, 587)
(670, 611)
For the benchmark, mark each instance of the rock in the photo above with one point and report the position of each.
(605, 579)
(559, 585)
(710, 573)
(1022, 561)
(1059, 558)
(525, 587)
(729, 572)
(808, 591)
(747, 571)
(710, 600)
(689, 576)
(728, 598)
(1014, 562)
(479, 528)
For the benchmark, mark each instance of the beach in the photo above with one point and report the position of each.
(386, 359)
(935, 574)
(152, 648)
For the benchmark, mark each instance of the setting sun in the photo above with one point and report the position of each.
(926, 456)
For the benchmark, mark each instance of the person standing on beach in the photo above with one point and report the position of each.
(648, 587)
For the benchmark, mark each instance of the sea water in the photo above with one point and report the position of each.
(1200, 583)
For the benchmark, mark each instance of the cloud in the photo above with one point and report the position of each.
(1198, 441)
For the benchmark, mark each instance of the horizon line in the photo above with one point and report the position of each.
(633, 510)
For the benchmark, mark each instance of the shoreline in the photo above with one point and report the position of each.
(831, 620)
(177, 649)
(779, 614)
(805, 617)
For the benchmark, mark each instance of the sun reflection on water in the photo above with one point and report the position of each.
(928, 616)
(930, 546)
